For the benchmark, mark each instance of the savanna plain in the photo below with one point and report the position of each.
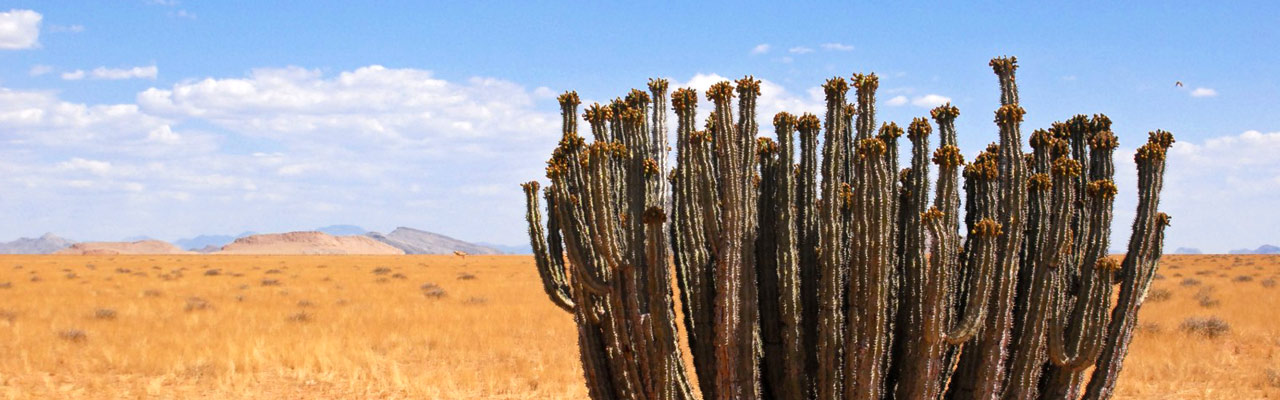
(268, 327)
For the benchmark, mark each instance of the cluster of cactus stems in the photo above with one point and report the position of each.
(848, 279)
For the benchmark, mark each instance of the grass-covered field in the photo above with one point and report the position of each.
(371, 327)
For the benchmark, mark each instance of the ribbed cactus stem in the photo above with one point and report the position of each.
(831, 293)
(1138, 267)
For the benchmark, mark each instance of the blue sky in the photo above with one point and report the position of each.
(172, 118)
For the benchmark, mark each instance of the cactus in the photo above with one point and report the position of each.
(863, 284)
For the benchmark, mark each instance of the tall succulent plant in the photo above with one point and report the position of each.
(858, 285)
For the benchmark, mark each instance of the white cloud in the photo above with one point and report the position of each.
(39, 69)
(837, 47)
(1204, 92)
(73, 75)
(800, 50)
(773, 99)
(930, 100)
(148, 72)
(760, 48)
(183, 14)
(1220, 191)
(897, 101)
(19, 29)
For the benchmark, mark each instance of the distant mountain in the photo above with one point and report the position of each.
(342, 230)
(112, 248)
(507, 249)
(1263, 249)
(138, 238)
(1187, 250)
(414, 241)
(202, 241)
(46, 244)
(312, 242)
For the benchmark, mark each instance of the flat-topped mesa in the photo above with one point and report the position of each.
(825, 271)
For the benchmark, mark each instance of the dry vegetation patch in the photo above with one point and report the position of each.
(337, 334)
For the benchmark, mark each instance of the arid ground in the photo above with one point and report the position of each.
(189, 326)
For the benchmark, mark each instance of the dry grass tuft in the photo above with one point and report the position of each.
(196, 304)
(1156, 295)
(270, 282)
(212, 272)
(466, 276)
(1190, 282)
(1205, 298)
(301, 316)
(104, 314)
(1210, 327)
(73, 335)
(381, 271)
(431, 290)
(6, 285)
(1268, 283)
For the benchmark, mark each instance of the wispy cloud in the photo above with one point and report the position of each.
(1204, 92)
(39, 69)
(800, 50)
(73, 75)
(837, 47)
(148, 72)
(19, 29)
(66, 28)
(760, 48)
(897, 101)
(104, 73)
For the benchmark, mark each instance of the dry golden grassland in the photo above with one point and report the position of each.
(370, 327)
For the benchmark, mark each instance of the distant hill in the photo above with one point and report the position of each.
(342, 230)
(312, 242)
(203, 241)
(1264, 249)
(508, 249)
(414, 241)
(1187, 250)
(46, 244)
(110, 248)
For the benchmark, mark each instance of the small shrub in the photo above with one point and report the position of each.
(272, 271)
(1268, 283)
(1210, 327)
(196, 304)
(300, 316)
(381, 271)
(270, 282)
(399, 276)
(72, 275)
(8, 316)
(6, 285)
(73, 335)
(1273, 377)
(305, 303)
(1157, 277)
(465, 276)
(1150, 327)
(150, 293)
(35, 278)
(1205, 297)
(432, 290)
(1156, 295)
(1204, 272)
(212, 272)
(1190, 282)
(104, 313)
